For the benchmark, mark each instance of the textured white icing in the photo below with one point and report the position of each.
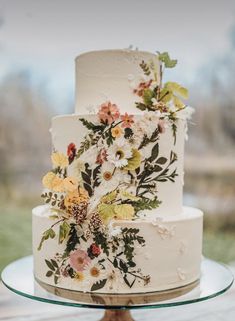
(68, 129)
(159, 258)
(106, 75)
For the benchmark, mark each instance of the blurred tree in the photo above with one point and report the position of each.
(24, 136)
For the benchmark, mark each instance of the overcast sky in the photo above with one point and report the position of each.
(46, 35)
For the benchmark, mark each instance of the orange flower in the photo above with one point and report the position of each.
(127, 120)
(77, 196)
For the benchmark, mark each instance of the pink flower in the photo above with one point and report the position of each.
(108, 112)
(79, 260)
(127, 120)
(102, 156)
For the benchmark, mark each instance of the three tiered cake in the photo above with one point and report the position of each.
(113, 221)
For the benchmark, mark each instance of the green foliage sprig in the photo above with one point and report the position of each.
(166, 60)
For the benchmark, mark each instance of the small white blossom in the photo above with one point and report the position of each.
(119, 153)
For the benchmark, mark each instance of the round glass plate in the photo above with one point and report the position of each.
(215, 280)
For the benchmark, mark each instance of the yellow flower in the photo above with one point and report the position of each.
(59, 160)
(117, 132)
(70, 184)
(79, 276)
(53, 182)
(77, 196)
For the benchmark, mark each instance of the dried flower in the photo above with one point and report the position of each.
(71, 152)
(102, 156)
(59, 160)
(70, 184)
(141, 87)
(79, 212)
(93, 251)
(79, 259)
(108, 112)
(95, 222)
(53, 182)
(117, 131)
(127, 120)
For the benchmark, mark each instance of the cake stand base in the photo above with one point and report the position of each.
(117, 315)
(215, 280)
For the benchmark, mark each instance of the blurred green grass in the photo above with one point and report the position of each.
(15, 235)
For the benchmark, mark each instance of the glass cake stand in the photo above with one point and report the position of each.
(215, 280)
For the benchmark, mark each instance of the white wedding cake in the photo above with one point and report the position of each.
(113, 221)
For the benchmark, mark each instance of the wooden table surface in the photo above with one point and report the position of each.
(16, 308)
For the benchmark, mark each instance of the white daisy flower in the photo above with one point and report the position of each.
(96, 272)
(106, 173)
(119, 153)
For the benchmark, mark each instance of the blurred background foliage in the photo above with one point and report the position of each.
(25, 145)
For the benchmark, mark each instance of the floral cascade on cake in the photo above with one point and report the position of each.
(104, 190)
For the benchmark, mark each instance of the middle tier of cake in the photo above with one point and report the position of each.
(161, 155)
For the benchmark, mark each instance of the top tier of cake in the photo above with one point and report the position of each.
(110, 75)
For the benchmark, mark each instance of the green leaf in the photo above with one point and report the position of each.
(124, 211)
(146, 204)
(98, 285)
(56, 279)
(89, 125)
(86, 178)
(88, 189)
(155, 151)
(106, 211)
(165, 58)
(176, 89)
(140, 106)
(123, 266)
(161, 160)
(165, 95)
(128, 132)
(51, 233)
(50, 265)
(84, 146)
(46, 235)
(108, 198)
(54, 217)
(54, 263)
(49, 273)
(134, 161)
(178, 103)
(144, 66)
(148, 94)
(128, 196)
(63, 231)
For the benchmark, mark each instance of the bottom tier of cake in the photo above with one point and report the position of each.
(144, 255)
